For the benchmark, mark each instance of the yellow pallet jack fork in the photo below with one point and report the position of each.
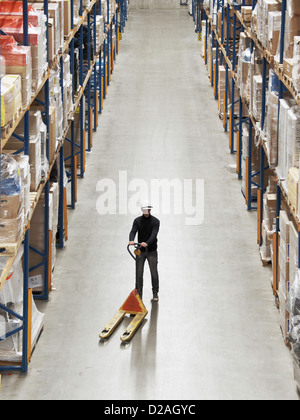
(132, 306)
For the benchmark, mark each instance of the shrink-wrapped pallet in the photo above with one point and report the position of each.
(257, 97)
(11, 97)
(11, 296)
(282, 168)
(296, 64)
(274, 28)
(37, 40)
(292, 27)
(11, 201)
(18, 61)
(272, 128)
(293, 186)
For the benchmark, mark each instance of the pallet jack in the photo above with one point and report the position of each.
(132, 306)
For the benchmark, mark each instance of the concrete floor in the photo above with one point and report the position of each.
(215, 332)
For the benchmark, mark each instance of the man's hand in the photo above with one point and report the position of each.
(131, 243)
(144, 245)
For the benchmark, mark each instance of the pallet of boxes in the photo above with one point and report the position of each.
(14, 214)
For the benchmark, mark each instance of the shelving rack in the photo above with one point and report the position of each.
(234, 122)
(93, 85)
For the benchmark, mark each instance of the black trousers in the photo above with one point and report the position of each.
(152, 258)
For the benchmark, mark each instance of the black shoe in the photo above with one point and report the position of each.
(155, 297)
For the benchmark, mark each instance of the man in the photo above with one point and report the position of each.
(147, 227)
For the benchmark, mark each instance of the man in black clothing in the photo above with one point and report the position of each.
(147, 227)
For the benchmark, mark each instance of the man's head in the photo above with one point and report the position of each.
(146, 208)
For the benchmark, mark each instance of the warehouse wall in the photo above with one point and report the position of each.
(155, 4)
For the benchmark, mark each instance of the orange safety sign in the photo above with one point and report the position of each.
(133, 306)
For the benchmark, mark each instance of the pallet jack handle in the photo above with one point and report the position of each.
(137, 251)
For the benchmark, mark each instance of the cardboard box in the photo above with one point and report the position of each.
(274, 27)
(11, 230)
(288, 67)
(67, 17)
(11, 206)
(11, 98)
(293, 184)
(51, 39)
(246, 14)
(53, 13)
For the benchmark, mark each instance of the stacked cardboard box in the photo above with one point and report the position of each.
(99, 32)
(12, 296)
(256, 69)
(222, 89)
(18, 61)
(274, 28)
(288, 141)
(271, 121)
(37, 234)
(284, 270)
(293, 184)
(293, 254)
(244, 66)
(255, 162)
(112, 8)
(37, 146)
(53, 217)
(13, 26)
(263, 8)
(292, 27)
(257, 97)
(296, 64)
(11, 97)
(11, 201)
(24, 167)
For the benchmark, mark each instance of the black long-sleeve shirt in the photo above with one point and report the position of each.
(147, 229)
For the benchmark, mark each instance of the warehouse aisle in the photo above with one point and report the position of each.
(215, 332)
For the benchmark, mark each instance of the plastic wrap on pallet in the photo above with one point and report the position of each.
(11, 296)
(112, 8)
(293, 306)
(292, 27)
(39, 164)
(244, 65)
(222, 89)
(55, 98)
(255, 162)
(284, 271)
(274, 27)
(256, 69)
(37, 39)
(282, 142)
(53, 12)
(272, 128)
(68, 82)
(293, 137)
(254, 19)
(10, 176)
(288, 142)
(269, 207)
(99, 32)
(257, 97)
(24, 166)
(268, 7)
(18, 61)
(296, 64)
(293, 186)
(11, 201)
(11, 97)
